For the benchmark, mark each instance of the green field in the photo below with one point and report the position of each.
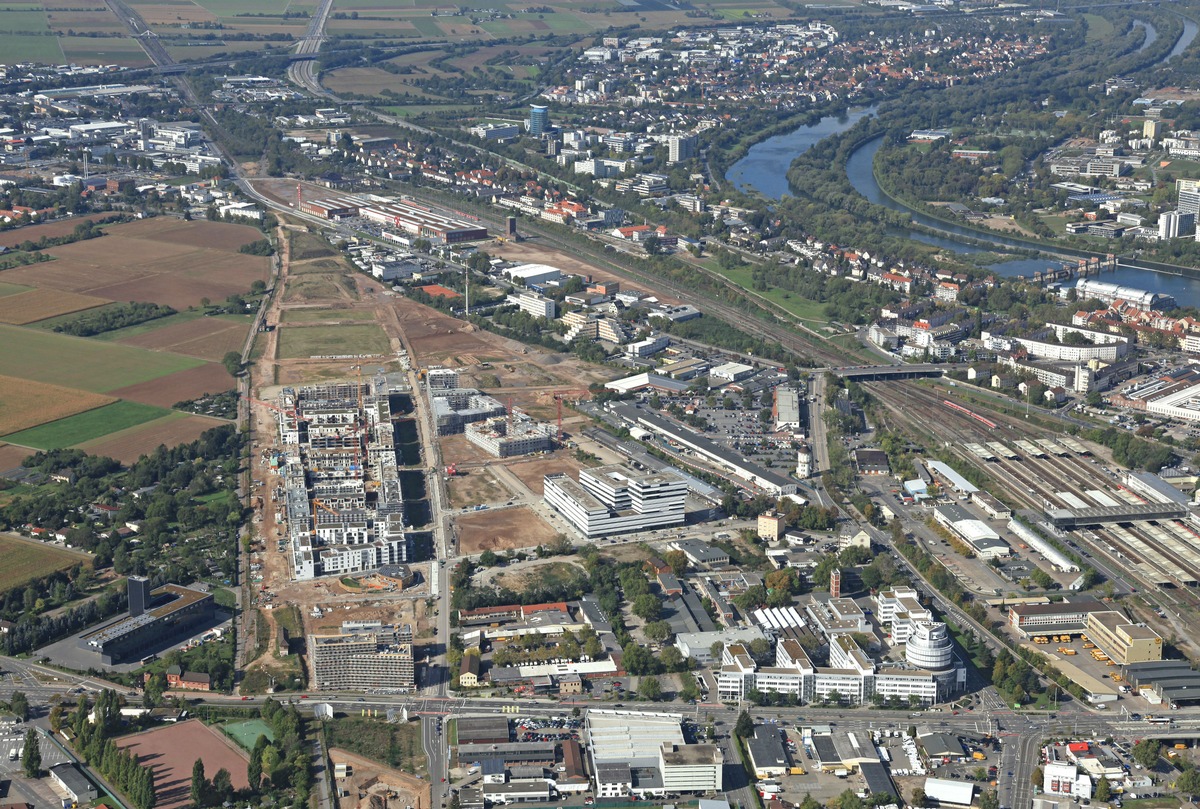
(87, 426)
(12, 289)
(29, 559)
(81, 362)
(317, 341)
(247, 733)
(317, 315)
(812, 312)
(1097, 27)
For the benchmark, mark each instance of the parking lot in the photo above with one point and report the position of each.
(39, 792)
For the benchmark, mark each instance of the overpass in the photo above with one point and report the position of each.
(874, 373)
(1071, 518)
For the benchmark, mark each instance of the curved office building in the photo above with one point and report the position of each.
(930, 647)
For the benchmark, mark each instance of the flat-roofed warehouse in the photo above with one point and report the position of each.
(332, 207)
(427, 223)
(155, 617)
(514, 753)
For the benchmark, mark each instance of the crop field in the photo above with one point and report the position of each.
(26, 559)
(157, 260)
(87, 364)
(306, 288)
(39, 304)
(61, 227)
(132, 443)
(297, 342)
(165, 391)
(372, 81)
(86, 426)
(12, 289)
(11, 456)
(208, 338)
(171, 750)
(104, 51)
(25, 33)
(25, 404)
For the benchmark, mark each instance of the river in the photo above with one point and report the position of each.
(764, 169)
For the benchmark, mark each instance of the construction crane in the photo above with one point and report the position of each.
(559, 396)
(325, 507)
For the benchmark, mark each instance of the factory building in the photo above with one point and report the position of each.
(332, 207)
(155, 618)
(420, 222)
(364, 656)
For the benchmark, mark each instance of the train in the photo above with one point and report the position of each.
(990, 424)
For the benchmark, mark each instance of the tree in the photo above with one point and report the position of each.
(689, 692)
(488, 559)
(657, 630)
(1146, 753)
(232, 362)
(1037, 777)
(199, 783)
(31, 755)
(254, 767)
(56, 718)
(918, 797)
(649, 688)
(18, 703)
(222, 786)
(760, 648)
(744, 726)
(1188, 783)
(678, 561)
(989, 800)
(672, 659)
(1103, 789)
(647, 607)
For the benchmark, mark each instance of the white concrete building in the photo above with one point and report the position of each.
(534, 305)
(615, 500)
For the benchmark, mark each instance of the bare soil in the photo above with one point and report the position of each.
(501, 530)
(532, 472)
(180, 386)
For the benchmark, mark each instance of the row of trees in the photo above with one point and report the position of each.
(94, 741)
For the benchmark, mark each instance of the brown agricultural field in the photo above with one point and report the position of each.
(11, 456)
(51, 230)
(501, 530)
(39, 304)
(157, 260)
(179, 386)
(129, 445)
(208, 338)
(25, 404)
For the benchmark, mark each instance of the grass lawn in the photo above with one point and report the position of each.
(411, 110)
(82, 362)
(317, 315)
(87, 426)
(1167, 802)
(810, 311)
(1097, 27)
(29, 559)
(317, 341)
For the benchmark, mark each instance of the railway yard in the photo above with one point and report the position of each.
(1045, 470)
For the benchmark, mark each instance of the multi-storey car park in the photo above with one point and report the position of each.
(344, 506)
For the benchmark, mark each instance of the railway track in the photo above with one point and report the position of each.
(1147, 553)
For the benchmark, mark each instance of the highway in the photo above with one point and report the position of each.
(304, 71)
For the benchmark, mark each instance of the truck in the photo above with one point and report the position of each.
(12, 754)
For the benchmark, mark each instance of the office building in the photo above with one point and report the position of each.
(539, 120)
(532, 304)
(371, 657)
(164, 615)
(614, 500)
(1189, 201)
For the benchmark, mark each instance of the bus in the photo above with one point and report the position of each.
(1158, 720)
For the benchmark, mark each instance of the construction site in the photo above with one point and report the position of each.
(342, 502)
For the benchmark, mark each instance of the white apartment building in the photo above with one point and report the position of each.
(534, 305)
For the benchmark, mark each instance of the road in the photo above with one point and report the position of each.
(304, 72)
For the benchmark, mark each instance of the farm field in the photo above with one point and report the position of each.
(40, 304)
(25, 33)
(86, 426)
(322, 286)
(26, 559)
(165, 391)
(62, 227)
(11, 456)
(130, 444)
(171, 750)
(298, 342)
(25, 404)
(501, 530)
(207, 338)
(88, 364)
(325, 314)
(157, 260)
(12, 289)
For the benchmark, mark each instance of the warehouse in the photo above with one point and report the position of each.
(331, 207)
(767, 755)
(945, 791)
(976, 533)
(425, 223)
(72, 781)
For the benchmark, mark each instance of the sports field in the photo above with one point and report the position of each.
(87, 364)
(298, 342)
(247, 733)
(86, 426)
(172, 750)
(29, 559)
